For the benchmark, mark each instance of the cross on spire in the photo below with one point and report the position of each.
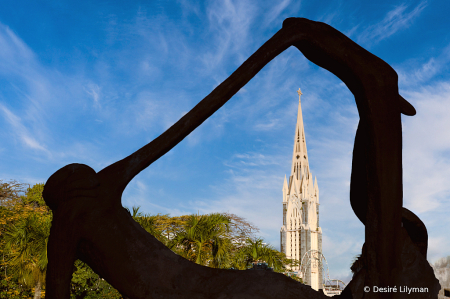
(299, 94)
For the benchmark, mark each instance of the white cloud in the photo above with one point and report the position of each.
(15, 56)
(397, 19)
(426, 166)
(50, 103)
(274, 12)
(340, 248)
(426, 147)
(411, 76)
(190, 7)
(20, 131)
(437, 248)
(427, 70)
(252, 159)
(94, 91)
(137, 194)
(229, 23)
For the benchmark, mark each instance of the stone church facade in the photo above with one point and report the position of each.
(301, 235)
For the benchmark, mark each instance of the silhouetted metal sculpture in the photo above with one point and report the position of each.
(90, 223)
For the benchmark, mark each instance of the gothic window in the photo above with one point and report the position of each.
(317, 208)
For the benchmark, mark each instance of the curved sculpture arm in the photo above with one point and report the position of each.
(89, 222)
(373, 83)
(319, 42)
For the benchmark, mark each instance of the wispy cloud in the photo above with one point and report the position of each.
(275, 11)
(20, 131)
(48, 101)
(95, 92)
(189, 7)
(15, 55)
(229, 22)
(427, 71)
(410, 74)
(252, 159)
(329, 16)
(397, 19)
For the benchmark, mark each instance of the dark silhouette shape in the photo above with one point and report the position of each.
(90, 224)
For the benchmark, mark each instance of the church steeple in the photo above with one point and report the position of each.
(301, 233)
(300, 165)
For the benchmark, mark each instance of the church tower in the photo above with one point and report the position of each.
(301, 235)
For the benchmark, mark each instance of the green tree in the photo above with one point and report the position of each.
(33, 196)
(13, 211)
(255, 251)
(149, 223)
(10, 287)
(26, 243)
(24, 229)
(10, 191)
(89, 285)
(204, 240)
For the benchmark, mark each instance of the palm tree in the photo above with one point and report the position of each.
(204, 240)
(256, 251)
(148, 222)
(26, 242)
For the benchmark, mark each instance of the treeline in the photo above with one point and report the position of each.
(218, 240)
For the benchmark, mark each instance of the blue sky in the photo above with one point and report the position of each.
(92, 81)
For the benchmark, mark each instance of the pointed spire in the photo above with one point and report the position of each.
(295, 187)
(310, 184)
(285, 189)
(300, 165)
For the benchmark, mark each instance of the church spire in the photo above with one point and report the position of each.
(300, 164)
(301, 233)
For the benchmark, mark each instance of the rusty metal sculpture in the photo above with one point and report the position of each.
(90, 223)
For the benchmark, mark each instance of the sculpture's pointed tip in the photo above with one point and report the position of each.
(405, 107)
